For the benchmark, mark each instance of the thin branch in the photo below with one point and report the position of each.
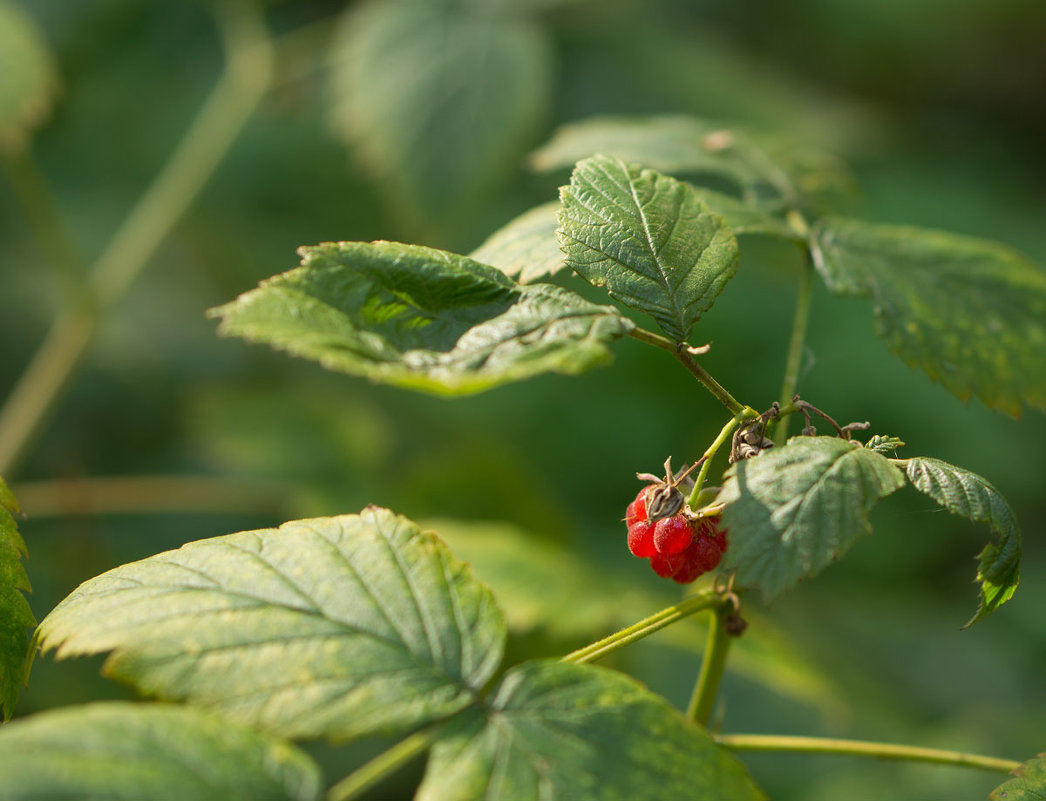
(383, 765)
(824, 745)
(208, 139)
(645, 627)
(149, 495)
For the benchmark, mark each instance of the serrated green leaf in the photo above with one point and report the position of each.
(565, 732)
(338, 627)
(1028, 784)
(768, 172)
(29, 78)
(421, 318)
(438, 102)
(15, 615)
(971, 313)
(648, 239)
(148, 752)
(964, 493)
(793, 510)
(525, 248)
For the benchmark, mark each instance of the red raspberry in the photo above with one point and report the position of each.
(706, 552)
(691, 567)
(667, 565)
(672, 535)
(641, 539)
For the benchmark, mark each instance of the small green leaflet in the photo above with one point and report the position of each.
(338, 627)
(964, 493)
(148, 752)
(561, 732)
(15, 615)
(971, 313)
(882, 443)
(793, 510)
(774, 174)
(439, 101)
(1029, 783)
(30, 79)
(422, 318)
(648, 239)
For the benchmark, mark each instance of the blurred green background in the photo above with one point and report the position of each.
(167, 434)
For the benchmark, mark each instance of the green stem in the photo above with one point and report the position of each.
(108, 495)
(824, 745)
(681, 352)
(794, 359)
(702, 702)
(37, 203)
(222, 117)
(384, 764)
(645, 627)
(717, 443)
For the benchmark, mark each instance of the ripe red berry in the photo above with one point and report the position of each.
(672, 535)
(666, 565)
(691, 567)
(705, 553)
(636, 511)
(641, 539)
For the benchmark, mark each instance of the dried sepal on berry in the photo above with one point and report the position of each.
(663, 498)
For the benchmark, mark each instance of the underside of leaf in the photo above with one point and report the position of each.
(792, 511)
(964, 493)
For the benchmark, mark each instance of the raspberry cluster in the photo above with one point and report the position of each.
(678, 548)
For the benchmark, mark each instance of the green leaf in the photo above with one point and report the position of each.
(768, 172)
(29, 81)
(971, 313)
(148, 752)
(421, 318)
(564, 732)
(964, 493)
(745, 218)
(15, 615)
(793, 510)
(526, 247)
(341, 627)
(648, 239)
(439, 101)
(1029, 783)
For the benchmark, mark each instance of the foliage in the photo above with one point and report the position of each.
(352, 627)
(15, 615)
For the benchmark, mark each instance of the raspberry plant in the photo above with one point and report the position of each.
(365, 624)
